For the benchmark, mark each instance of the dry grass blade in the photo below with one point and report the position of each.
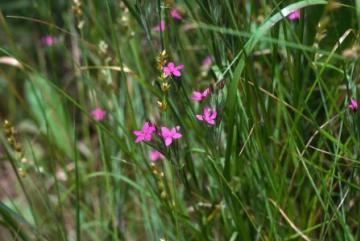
(289, 221)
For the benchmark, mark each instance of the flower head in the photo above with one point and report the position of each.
(98, 114)
(170, 134)
(353, 105)
(48, 40)
(294, 15)
(200, 96)
(160, 27)
(155, 155)
(145, 134)
(170, 69)
(207, 116)
(207, 62)
(175, 14)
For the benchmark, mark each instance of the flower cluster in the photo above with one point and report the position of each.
(167, 134)
(208, 115)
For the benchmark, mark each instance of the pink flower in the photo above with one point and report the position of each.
(353, 104)
(145, 134)
(48, 40)
(207, 62)
(98, 114)
(170, 134)
(155, 155)
(160, 27)
(170, 69)
(207, 116)
(295, 15)
(175, 14)
(200, 96)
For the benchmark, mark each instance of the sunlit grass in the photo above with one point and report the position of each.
(226, 121)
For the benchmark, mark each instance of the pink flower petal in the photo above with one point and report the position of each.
(353, 104)
(206, 92)
(207, 62)
(139, 139)
(165, 131)
(200, 117)
(168, 141)
(180, 67)
(176, 73)
(177, 136)
(160, 27)
(213, 115)
(137, 133)
(155, 155)
(171, 66)
(197, 96)
(211, 122)
(174, 13)
(294, 15)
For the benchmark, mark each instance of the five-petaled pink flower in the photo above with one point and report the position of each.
(200, 96)
(145, 134)
(170, 69)
(170, 134)
(295, 15)
(48, 40)
(98, 114)
(155, 155)
(207, 116)
(175, 14)
(353, 104)
(160, 27)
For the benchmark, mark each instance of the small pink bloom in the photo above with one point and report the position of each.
(155, 155)
(207, 116)
(170, 134)
(170, 69)
(145, 134)
(197, 96)
(160, 27)
(200, 96)
(206, 92)
(295, 15)
(98, 114)
(175, 14)
(353, 104)
(48, 40)
(207, 62)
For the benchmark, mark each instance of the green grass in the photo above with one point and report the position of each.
(281, 163)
